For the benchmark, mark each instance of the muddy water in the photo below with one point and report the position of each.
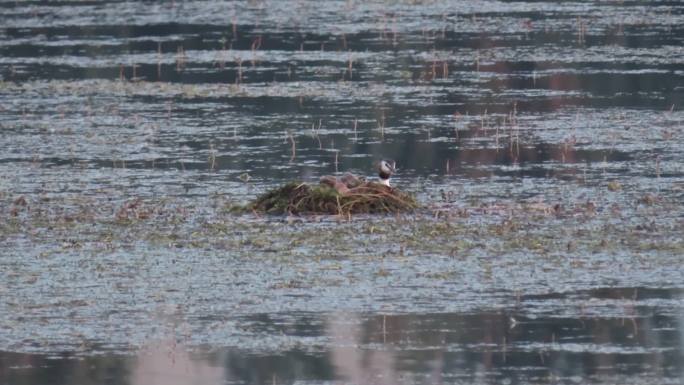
(545, 141)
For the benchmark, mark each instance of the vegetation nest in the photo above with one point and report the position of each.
(301, 198)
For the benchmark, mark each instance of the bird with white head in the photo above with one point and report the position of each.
(385, 170)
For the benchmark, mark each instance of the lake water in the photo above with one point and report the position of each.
(545, 141)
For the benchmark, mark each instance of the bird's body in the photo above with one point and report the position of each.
(350, 183)
(385, 170)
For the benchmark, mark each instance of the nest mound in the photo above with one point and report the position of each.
(301, 198)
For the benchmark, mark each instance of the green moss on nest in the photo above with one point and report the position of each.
(301, 198)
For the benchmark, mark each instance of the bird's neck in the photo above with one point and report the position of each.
(385, 181)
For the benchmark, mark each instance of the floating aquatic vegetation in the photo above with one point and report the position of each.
(301, 198)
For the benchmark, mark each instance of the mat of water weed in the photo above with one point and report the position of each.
(301, 198)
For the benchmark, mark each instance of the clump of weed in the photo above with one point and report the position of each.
(301, 198)
(614, 186)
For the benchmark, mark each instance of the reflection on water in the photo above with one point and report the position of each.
(169, 363)
(645, 345)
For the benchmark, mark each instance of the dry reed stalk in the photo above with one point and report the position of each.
(180, 58)
(256, 43)
(238, 78)
(212, 157)
(456, 116)
(496, 138)
(255, 46)
(483, 118)
(581, 31)
(337, 153)
(381, 125)
(315, 133)
(293, 147)
(159, 60)
(356, 138)
(135, 72)
(222, 55)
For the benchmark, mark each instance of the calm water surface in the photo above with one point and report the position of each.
(545, 140)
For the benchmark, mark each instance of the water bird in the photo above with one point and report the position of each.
(385, 170)
(343, 184)
(350, 182)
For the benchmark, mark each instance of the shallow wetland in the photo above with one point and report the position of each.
(544, 141)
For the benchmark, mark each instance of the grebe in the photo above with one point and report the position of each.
(385, 170)
(349, 183)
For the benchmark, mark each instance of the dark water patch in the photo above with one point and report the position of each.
(118, 31)
(170, 37)
(443, 348)
(448, 158)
